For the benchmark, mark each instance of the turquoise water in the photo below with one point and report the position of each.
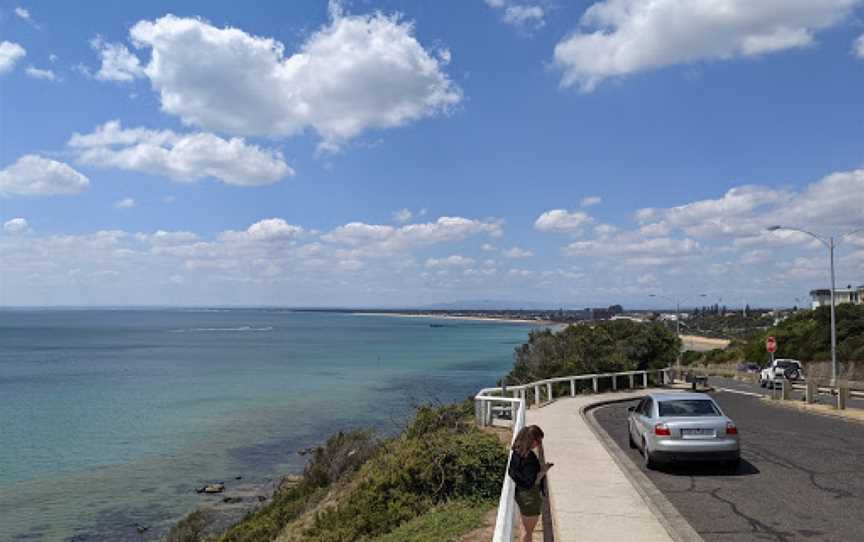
(110, 418)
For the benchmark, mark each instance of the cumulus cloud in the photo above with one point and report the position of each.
(125, 203)
(622, 37)
(270, 229)
(356, 73)
(22, 13)
(181, 157)
(455, 260)
(517, 253)
(658, 251)
(118, 63)
(859, 47)
(403, 215)
(10, 54)
(385, 238)
(37, 73)
(590, 201)
(519, 15)
(562, 221)
(33, 175)
(16, 225)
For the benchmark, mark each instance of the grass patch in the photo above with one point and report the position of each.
(443, 523)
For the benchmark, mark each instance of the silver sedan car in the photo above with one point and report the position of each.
(669, 427)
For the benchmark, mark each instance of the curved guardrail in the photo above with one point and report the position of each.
(490, 402)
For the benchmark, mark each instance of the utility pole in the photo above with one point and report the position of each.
(831, 243)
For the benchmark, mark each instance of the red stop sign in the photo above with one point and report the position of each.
(771, 344)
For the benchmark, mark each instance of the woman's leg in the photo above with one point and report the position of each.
(528, 524)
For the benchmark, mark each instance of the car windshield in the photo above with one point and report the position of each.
(688, 407)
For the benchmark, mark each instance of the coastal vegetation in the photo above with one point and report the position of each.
(805, 335)
(603, 347)
(359, 487)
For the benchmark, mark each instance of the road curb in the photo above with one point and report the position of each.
(678, 528)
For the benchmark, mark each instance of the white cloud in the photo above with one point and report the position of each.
(118, 63)
(622, 37)
(590, 201)
(517, 253)
(522, 273)
(455, 260)
(10, 54)
(125, 203)
(181, 157)
(22, 13)
(385, 239)
(488, 247)
(16, 225)
(354, 74)
(524, 15)
(33, 175)
(402, 216)
(657, 251)
(561, 221)
(270, 229)
(859, 46)
(36, 73)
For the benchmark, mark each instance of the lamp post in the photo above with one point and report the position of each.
(677, 302)
(831, 243)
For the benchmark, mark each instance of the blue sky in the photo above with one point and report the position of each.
(401, 153)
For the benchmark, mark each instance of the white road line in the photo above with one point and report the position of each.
(739, 392)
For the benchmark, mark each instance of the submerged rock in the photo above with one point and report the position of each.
(211, 488)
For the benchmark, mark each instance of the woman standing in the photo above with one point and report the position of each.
(528, 474)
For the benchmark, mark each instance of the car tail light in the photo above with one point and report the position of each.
(662, 430)
(731, 429)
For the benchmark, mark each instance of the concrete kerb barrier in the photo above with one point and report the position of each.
(678, 528)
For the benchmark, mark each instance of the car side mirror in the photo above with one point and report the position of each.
(631, 409)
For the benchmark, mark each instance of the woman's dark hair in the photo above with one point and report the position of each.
(525, 439)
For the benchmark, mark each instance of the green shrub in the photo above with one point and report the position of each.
(444, 523)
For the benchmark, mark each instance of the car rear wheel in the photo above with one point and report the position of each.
(647, 458)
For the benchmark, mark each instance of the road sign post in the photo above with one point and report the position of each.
(771, 347)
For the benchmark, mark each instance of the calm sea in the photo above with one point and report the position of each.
(111, 418)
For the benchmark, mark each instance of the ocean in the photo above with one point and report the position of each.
(109, 419)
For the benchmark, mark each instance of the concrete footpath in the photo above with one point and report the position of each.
(590, 496)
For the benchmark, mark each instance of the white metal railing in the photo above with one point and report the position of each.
(485, 410)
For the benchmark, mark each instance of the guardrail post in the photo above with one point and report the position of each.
(572, 388)
(549, 391)
(478, 418)
(614, 383)
(645, 379)
(842, 394)
(631, 382)
(786, 391)
(595, 384)
(536, 395)
(811, 391)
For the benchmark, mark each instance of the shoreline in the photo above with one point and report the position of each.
(464, 318)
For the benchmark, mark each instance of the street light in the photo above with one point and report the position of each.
(831, 244)
(677, 302)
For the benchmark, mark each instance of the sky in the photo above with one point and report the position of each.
(398, 154)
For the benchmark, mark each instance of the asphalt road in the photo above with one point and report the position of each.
(801, 478)
(730, 384)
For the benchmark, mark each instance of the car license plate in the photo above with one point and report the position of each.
(698, 433)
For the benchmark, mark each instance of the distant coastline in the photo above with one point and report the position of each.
(439, 316)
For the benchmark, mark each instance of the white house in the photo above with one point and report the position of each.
(849, 294)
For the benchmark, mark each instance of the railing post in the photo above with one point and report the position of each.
(631, 382)
(549, 391)
(645, 379)
(614, 383)
(523, 395)
(572, 388)
(811, 391)
(478, 418)
(595, 384)
(536, 395)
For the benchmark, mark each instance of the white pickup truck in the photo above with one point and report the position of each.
(781, 369)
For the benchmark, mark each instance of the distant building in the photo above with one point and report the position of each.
(822, 297)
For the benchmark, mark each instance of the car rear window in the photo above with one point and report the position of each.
(688, 407)
(786, 364)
